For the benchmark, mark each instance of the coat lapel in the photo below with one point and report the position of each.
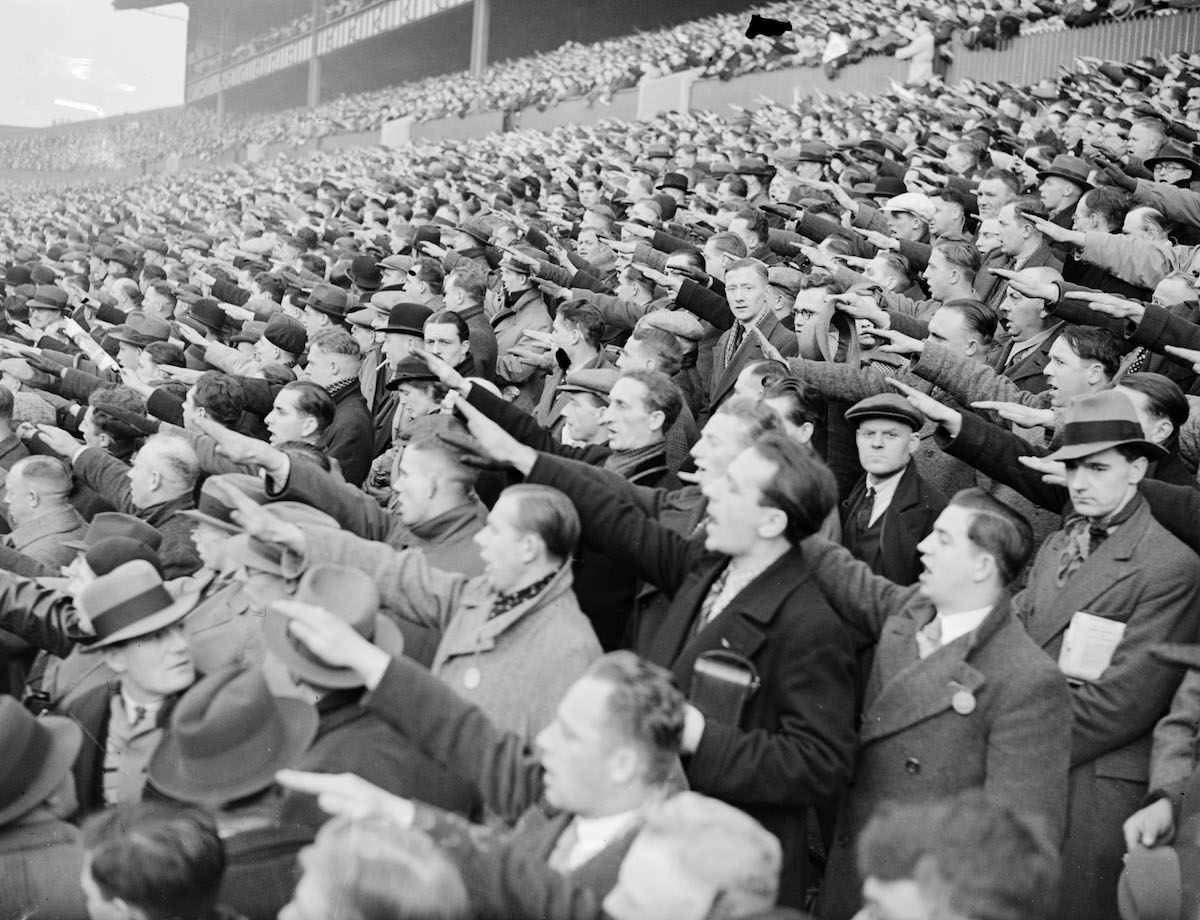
(1054, 606)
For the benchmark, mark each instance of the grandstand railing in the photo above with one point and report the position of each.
(1025, 59)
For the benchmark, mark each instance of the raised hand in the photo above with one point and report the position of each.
(950, 419)
(491, 441)
(1025, 416)
(449, 377)
(897, 342)
(349, 796)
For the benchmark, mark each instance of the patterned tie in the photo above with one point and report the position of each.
(929, 638)
(735, 342)
(139, 713)
(710, 600)
(863, 519)
(1132, 363)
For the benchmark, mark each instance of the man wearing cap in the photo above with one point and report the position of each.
(41, 856)
(352, 738)
(893, 508)
(324, 308)
(1062, 185)
(402, 330)
(1111, 563)
(38, 509)
(139, 633)
(522, 307)
(757, 174)
(575, 334)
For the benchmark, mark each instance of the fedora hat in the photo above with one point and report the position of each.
(38, 755)
(351, 595)
(887, 187)
(1096, 422)
(409, 370)
(268, 557)
(364, 272)
(754, 166)
(328, 299)
(214, 510)
(1162, 883)
(1073, 169)
(115, 524)
(476, 229)
(49, 297)
(1172, 152)
(406, 317)
(208, 313)
(131, 601)
(227, 738)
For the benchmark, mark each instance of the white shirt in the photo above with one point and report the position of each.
(885, 491)
(956, 625)
(594, 834)
(150, 711)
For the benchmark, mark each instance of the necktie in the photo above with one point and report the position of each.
(139, 714)
(735, 342)
(929, 638)
(865, 510)
(1132, 363)
(560, 856)
(710, 600)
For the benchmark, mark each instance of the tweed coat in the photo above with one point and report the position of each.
(510, 323)
(515, 666)
(1141, 576)
(914, 745)
(906, 522)
(793, 744)
(503, 766)
(40, 863)
(42, 537)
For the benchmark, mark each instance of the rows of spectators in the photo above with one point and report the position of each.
(715, 46)
(833, 462)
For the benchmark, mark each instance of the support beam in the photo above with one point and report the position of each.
(480, 27)
(314, 62)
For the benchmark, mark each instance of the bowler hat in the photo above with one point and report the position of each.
(409, 370)
(227, 738)
(755, 166)
(38, 754)
(888, 187)
(364, 272)
(115, 524)
(351, 595)
(131, 601)
(674, 180)
(285, 333)
(1096, 422)
(49, 297)
(1073, 169)
(207, 312)
(213, 509)
(328, 299)
(406, 317)
(886, 405)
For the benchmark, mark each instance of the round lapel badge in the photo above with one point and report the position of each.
(472, 678)
(963, 702)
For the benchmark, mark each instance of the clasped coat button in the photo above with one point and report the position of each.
(913, 766)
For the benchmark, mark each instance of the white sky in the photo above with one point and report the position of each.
(84, 52)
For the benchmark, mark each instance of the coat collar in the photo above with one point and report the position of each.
(451, 524)
(58, 521)
(912, 688)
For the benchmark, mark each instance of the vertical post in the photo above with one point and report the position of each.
(479, 37)
(314, 61)
(220, 106)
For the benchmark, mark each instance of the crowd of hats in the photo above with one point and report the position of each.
(716, 45)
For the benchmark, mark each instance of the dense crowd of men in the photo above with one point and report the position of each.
(691, 519)
(822, 35)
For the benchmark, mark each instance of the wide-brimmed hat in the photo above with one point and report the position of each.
(350, 594)
(141, 329)
(1096, 422)
(1162, 883)
(49, 297)
(1172, 152)
(406, 317)
(268, 557)
(1073, 169)
(409, 369)
(208, 313)
(476, 229)
(213, 509)
(755, 166)
(814, 152)
(115, 524)
(328, 299)
(227, 738)
(364, 272)
(38, 754)
(131, 601)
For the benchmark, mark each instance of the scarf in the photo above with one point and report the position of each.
(1084, 536)
(626, 462)
(506, 602)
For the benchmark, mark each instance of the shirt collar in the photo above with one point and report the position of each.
(956, 625)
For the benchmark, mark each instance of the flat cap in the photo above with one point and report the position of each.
(886, 405)
(679, 323)
(597, 380)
